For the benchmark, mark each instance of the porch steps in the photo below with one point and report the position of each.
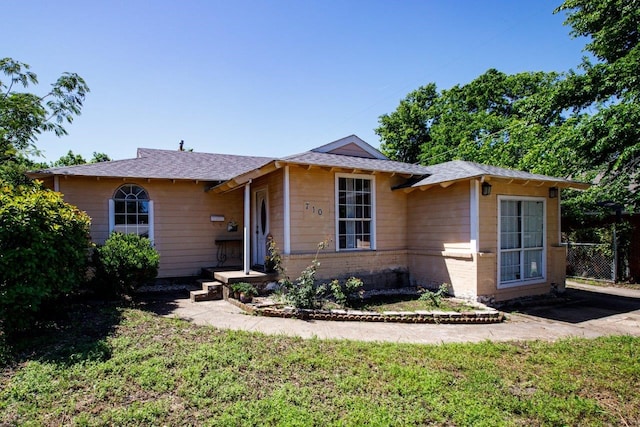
(211, 290)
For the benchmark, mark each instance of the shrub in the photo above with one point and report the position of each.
(305, 293)
(43, 251)
(434, 298)
(124, 263)
(348, 293)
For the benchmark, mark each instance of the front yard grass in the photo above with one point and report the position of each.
(126, 366)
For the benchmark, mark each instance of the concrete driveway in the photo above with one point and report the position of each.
(587, 311)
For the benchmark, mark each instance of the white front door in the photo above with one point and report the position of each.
(260, 226)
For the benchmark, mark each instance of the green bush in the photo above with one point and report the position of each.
(124, 263)
(43, 251)
(305, 293)
(347, 293)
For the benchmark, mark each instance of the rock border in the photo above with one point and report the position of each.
(437, 317)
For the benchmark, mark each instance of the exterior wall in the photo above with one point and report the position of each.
(312, 201)
(378, 269)
(439, 239)
(555, 254)
(183, 233)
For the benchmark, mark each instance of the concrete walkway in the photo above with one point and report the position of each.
(589, 312)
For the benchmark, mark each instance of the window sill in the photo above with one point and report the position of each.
(521, 283)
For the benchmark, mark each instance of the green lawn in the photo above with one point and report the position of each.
(111, 366)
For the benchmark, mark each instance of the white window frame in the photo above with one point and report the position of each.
(543, 268)
(150, 214)
(372, 228)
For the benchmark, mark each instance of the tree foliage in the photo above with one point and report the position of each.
(581, 125)
(24, 115)
(72, 159)
(43, 251)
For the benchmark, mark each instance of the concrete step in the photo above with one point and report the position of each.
(208, 284)
(211, 290)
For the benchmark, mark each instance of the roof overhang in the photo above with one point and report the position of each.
(425, 184)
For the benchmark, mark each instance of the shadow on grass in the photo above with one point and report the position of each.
(68, 332)
(160, 303)
(576, 306)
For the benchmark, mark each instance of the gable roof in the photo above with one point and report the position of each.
(351, 146)
(165, 164)
(458, 170)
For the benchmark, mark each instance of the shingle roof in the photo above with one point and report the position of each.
(337, 160)
(460, 170)
(173, 164)
(167, 164)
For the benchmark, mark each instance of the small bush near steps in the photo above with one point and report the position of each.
(124, 263)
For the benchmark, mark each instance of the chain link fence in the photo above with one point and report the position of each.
(591, 260)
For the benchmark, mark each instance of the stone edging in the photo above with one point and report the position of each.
(478, 316)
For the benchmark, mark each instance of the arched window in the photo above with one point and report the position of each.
(131, 211)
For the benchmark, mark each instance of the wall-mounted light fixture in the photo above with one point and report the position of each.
(553, 192)
(217, 218)
(486, 188)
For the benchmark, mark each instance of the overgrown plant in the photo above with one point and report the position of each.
(43, 251)
(434, 297)
(273, 260)
(306, 294)
(348, 293)
(125, 262)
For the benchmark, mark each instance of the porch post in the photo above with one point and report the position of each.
(474, 216)
(247, 234)
(287, 212)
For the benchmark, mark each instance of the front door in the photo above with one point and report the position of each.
(261, 226)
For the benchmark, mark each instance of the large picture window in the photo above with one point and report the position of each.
(522, 240)
(355, 212)
(131, 211)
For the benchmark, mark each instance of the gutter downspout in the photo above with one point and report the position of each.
(247, 219)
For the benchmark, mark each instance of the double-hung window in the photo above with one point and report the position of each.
(355, 200)
(522, 241)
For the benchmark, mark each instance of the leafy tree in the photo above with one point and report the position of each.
(99, 157)
(24, 116)
(69, 159)
(610, 87)
(505, 120)
(43, 251)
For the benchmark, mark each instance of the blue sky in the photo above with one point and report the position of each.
(267, 78)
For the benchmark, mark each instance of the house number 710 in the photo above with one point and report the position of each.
(314, 210)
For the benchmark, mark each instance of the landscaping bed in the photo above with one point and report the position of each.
(382, 308)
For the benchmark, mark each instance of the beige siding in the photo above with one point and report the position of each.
(312, 201)
(438, 239)
(439, 218)
(184, 234)
(391, 214)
